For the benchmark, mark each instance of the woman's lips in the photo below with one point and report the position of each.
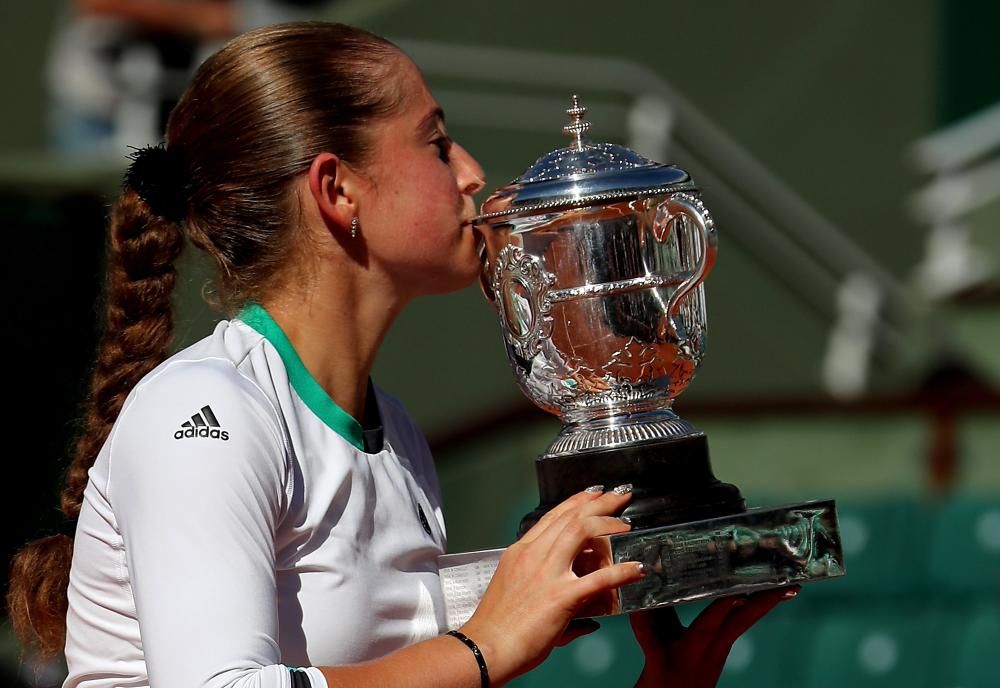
(480, 240)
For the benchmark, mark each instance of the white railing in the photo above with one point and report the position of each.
(964, 161)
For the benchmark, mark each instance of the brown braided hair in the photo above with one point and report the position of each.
(253, 118)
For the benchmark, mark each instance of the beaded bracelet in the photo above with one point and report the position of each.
(484, 673)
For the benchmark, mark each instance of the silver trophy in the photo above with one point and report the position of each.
(595, 260)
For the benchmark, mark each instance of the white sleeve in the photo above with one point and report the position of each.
(198, 515)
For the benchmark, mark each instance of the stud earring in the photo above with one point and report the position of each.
(355, 223)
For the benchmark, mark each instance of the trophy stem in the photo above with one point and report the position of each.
(672, 481)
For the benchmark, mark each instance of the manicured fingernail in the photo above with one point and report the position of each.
(623, 489)
(594, 489)
(789, 594)
(739, 601)
(627, 520)
(642, 568)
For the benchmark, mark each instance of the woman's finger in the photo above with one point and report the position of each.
(555, 513)
(655, 629)
(705, 628)
(586, 503)
(604, 505)
(577, 629)
(608, 503)
(757, 605)
(740, 620)
(606, 578)
(565, 544)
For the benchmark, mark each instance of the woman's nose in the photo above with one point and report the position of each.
(471, 177)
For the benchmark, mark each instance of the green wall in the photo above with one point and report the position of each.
(827, 97)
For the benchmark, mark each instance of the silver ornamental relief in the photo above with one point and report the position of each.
(521, 289)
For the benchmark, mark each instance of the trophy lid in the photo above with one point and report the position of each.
(582, 174)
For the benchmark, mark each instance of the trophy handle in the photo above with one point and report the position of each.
(705, 246)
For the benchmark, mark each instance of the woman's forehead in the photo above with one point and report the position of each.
(413, 88)
(420, 113)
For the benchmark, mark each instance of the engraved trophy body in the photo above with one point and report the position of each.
(595, 260)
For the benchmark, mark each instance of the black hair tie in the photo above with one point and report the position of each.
(162, 179)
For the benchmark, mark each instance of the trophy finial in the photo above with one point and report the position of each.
(577, 126)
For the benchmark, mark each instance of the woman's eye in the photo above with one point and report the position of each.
(444, 147)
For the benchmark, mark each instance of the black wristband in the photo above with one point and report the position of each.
(484, 673)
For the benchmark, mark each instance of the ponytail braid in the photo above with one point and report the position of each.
(138, 327)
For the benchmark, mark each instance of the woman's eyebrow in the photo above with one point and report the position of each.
(429, 122)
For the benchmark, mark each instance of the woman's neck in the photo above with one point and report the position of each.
(336, 335)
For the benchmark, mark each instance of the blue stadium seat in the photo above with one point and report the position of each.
(861, 648)
(607, 657)
(771, 654)
(968, 642)
(965, 546)
(978, 661)
(885, 548)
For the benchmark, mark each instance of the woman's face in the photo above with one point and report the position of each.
(415, 212)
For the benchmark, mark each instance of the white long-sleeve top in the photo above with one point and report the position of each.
(234, 527)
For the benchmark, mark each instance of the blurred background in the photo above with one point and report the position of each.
(850, 153)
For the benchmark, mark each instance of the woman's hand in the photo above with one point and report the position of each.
(535, 593)
(693, 657)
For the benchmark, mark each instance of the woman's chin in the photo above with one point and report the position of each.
(467, 276)
(460, 276)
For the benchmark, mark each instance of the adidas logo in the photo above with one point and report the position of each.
(202, 424)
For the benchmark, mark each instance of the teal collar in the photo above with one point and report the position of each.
(304, 384)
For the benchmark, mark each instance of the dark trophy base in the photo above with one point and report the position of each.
(693, 532)
(672, 482)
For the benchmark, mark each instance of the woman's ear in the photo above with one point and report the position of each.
(331, 185)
